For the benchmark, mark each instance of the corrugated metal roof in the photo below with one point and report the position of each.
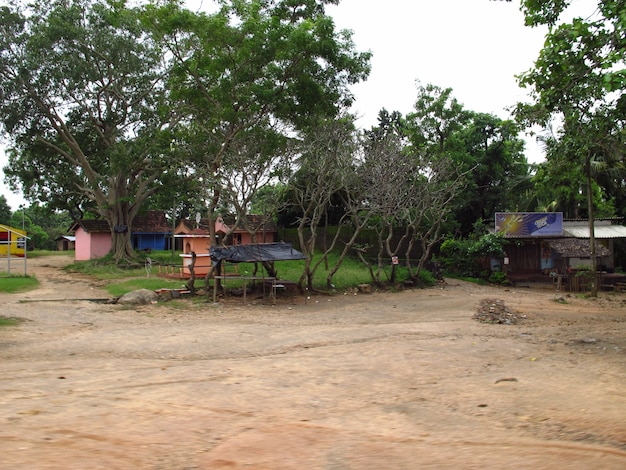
(601, 231)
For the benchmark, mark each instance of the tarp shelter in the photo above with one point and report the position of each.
(259, 252)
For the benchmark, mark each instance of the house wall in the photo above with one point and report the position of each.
(9, 238)
(607, 263)
(152, 241)
(524, 258)
(65, 245)
(246, 238)
(532, 257)
(83, 245)
(101, 244)
(200, 268)
(197, 244)
(91, 245)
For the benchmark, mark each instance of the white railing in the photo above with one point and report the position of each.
(20, 244)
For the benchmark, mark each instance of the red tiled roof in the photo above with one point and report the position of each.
(91, 226)
(255, 222)
(151, 222)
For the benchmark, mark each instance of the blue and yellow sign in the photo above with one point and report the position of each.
(529, 224)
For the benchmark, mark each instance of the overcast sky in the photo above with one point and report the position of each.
(476, 47)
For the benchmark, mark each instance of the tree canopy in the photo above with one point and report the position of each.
(578, 88)
(101, 100)
(83, 88)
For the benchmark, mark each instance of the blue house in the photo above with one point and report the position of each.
(150, 231)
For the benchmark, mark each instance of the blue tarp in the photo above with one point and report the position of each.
(259, 252)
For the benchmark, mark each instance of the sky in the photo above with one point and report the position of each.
(475, 47)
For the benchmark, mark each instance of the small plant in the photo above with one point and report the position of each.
(500, 278)
(426, 278)
(469, 257)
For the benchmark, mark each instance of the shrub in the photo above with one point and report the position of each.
(498, 277)
(467, 257)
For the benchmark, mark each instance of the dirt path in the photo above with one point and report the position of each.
(382, 381)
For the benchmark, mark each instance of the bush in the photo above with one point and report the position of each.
(498, 277)
(467, 257)
(426, 278)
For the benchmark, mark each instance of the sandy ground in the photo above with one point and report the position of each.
(370, 381)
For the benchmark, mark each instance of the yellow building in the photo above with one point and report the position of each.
(12, 241)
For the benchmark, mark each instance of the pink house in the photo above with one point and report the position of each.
(194, 237)
(93, 239)
(264, 227)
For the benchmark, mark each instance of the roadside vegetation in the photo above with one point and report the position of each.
(142, 275)
(12, 284)
(270, 135)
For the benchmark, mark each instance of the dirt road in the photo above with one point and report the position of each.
(383, 381)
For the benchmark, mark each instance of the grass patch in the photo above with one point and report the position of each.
(5, 321)
(117, 289)
(12, 284)
(40, 253)
(105, 268)
(126, 278)
(350, 274)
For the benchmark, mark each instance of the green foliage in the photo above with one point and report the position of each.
(82, 99)
(469, 257)
(12, 284)
(499, 277)
(577, 85)
(454, 257)
(5, 211)
(45, 225)
(426, 278)
(488, 245)
(39, 238)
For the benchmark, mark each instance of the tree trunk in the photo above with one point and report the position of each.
(192, 273)
(120, 222)
(592, 237)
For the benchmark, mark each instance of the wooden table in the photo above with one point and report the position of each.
(245, 284)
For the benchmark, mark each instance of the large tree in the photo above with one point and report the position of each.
(325, 170)
(254, 70)
(501, 174)
(82, 94)
(579, 83)
(483, 143)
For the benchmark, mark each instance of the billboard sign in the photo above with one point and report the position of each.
(529, 224)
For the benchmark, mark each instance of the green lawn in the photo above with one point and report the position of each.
(12, 284)
(122, 279)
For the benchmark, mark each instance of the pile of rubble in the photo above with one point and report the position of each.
(494, 311)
